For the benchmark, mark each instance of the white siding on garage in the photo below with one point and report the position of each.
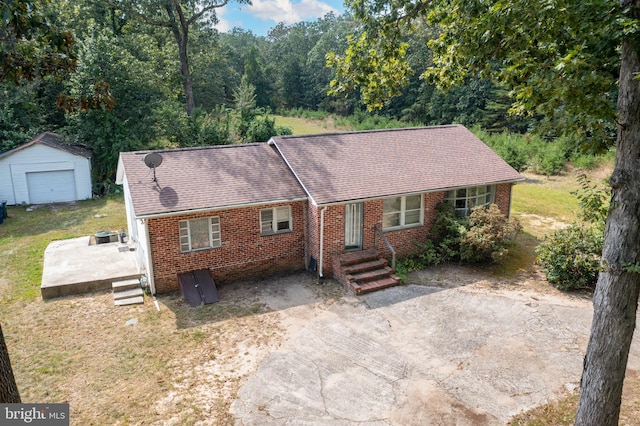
(40, 158)
(51, 187)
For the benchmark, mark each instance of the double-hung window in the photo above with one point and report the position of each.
(401, 212)
(464, 199)
(200, 234)
(275, 220)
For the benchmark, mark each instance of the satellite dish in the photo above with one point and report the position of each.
(153, 160)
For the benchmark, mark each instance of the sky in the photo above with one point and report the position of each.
(263, 15)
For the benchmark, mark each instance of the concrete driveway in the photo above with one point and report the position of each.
(415, 355)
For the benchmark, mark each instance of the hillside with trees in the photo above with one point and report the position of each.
(146, 76)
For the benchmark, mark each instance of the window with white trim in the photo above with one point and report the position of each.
(402, 212)
(200, 234)
(275, 220)
(464, 199)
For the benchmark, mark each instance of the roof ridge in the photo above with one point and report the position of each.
(355, 132)
(196, 148)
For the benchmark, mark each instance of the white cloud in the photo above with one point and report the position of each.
(287, 11)
(223, 25)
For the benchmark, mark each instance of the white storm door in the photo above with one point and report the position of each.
(353, 226)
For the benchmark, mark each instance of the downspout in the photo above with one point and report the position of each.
(320, 262)
(152, 284)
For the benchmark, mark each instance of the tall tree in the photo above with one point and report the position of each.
(179, 17)
(32, 47)
(565, 60)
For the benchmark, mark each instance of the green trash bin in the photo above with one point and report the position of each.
(5, 213)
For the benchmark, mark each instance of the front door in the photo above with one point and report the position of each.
(353, 226)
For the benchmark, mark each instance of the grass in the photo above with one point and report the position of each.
(24, 236)
(305, 126)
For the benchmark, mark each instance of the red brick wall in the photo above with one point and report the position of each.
(503, 198)
(402, 240)
(244, 253)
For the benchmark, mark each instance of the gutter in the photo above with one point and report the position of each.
(218, 208)
(382, 196)
(320, 263)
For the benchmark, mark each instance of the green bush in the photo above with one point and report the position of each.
(488, 236)
(447, 231)
(484, 236)
(570, 257)
(550, 159)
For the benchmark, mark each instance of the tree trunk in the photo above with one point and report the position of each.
(186, 75)
(8, 389)
(615, 300)
(180, 30)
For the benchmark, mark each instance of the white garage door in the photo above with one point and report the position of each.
(51, 187)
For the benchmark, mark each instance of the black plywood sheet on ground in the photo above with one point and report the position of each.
(197, 287)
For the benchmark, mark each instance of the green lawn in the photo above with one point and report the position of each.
(24, 236)
(303, 126)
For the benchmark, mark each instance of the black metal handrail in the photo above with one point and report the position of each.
(386, 241)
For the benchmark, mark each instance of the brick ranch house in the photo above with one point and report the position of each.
(335, 204)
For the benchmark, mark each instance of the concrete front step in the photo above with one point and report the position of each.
(365, 266)
(125, 294)
(371, 286)
(129, 301)
(125, 284)
(368, 276)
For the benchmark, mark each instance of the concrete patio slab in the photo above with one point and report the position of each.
(74, 267)
(422, 356)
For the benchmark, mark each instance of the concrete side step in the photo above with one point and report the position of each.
(130, 301)
(125, 284)
(124, 294)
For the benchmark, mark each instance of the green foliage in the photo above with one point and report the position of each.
(593, 201)
(488, 236)
(32, 45)
(262, 128)
(202, 128)
(558, 59)
(253, 124)
(361, 120)
(446, 232)
(529, 152)
(485, 236)
(570, 257)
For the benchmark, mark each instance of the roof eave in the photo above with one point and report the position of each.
(218, 208)
(426, 191)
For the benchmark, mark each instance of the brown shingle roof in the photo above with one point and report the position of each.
(52, 140)
(359, 165)
(208, 177)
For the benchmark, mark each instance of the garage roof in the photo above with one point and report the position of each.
(52, 140)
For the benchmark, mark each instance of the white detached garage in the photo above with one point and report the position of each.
(45, 170)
